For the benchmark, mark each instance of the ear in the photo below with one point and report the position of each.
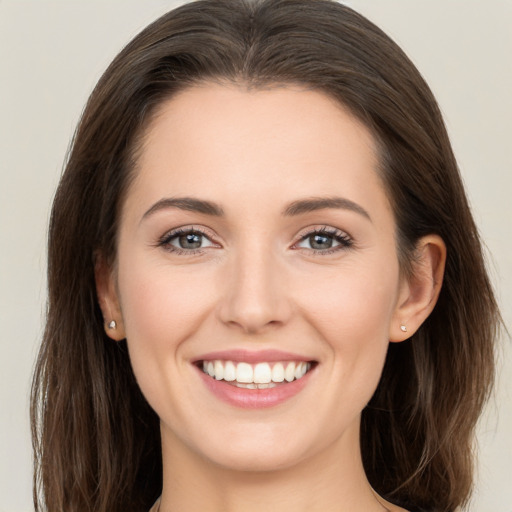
(419, 292)
(106, 291)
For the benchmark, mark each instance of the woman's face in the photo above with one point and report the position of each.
(257, 231)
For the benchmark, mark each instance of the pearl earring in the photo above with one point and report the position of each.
(112, 324)
(403, 328)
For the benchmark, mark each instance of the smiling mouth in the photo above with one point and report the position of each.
(256, 376)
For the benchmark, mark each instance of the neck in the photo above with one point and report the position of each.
(330, 481)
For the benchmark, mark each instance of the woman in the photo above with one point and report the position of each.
(260, 197)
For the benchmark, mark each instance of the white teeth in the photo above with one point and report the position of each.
(229, 372)
(219, 370)
(249, 385)
(289, 373)
(300, 370)
(262, 373)
(278, 373)
(252, 385)
(244, 373)
(259, 376)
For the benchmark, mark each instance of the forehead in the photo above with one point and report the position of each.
(227, 140)
(255, 115)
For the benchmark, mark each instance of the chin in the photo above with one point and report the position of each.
(251, 450)
(256, 461)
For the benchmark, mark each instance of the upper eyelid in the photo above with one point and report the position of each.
(329, 230)
(165, 241)
(345, 240)
(187, 229)
(301, 235)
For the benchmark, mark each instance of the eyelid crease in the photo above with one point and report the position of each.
(165, 240)
(342, 237)
(183, 230)
(325, 229)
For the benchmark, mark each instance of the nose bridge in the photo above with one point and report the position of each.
(254, 295)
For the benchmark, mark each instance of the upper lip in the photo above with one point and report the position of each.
(251, 356)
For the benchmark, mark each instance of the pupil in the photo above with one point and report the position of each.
(320, 242)
(190, 241)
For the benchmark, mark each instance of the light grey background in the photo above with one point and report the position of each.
(52, 53)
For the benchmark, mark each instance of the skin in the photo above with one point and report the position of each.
(257, 283)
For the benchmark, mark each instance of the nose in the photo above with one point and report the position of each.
(254, 297)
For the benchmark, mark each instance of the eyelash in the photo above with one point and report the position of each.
(165, 241)
(344, 240)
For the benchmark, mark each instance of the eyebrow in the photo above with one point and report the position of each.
(186, 203)
(320, 203)
(295, 208)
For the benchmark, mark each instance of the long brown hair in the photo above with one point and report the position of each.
(96, 440)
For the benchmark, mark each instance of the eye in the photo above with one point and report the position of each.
(189, 240)
(326, 240)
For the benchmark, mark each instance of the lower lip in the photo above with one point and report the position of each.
(254, 398)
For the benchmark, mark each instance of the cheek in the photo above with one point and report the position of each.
(357, 300)
(158, 302)
(351, 313)
(162, 307)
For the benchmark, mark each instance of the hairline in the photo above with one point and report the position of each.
(140, 136)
